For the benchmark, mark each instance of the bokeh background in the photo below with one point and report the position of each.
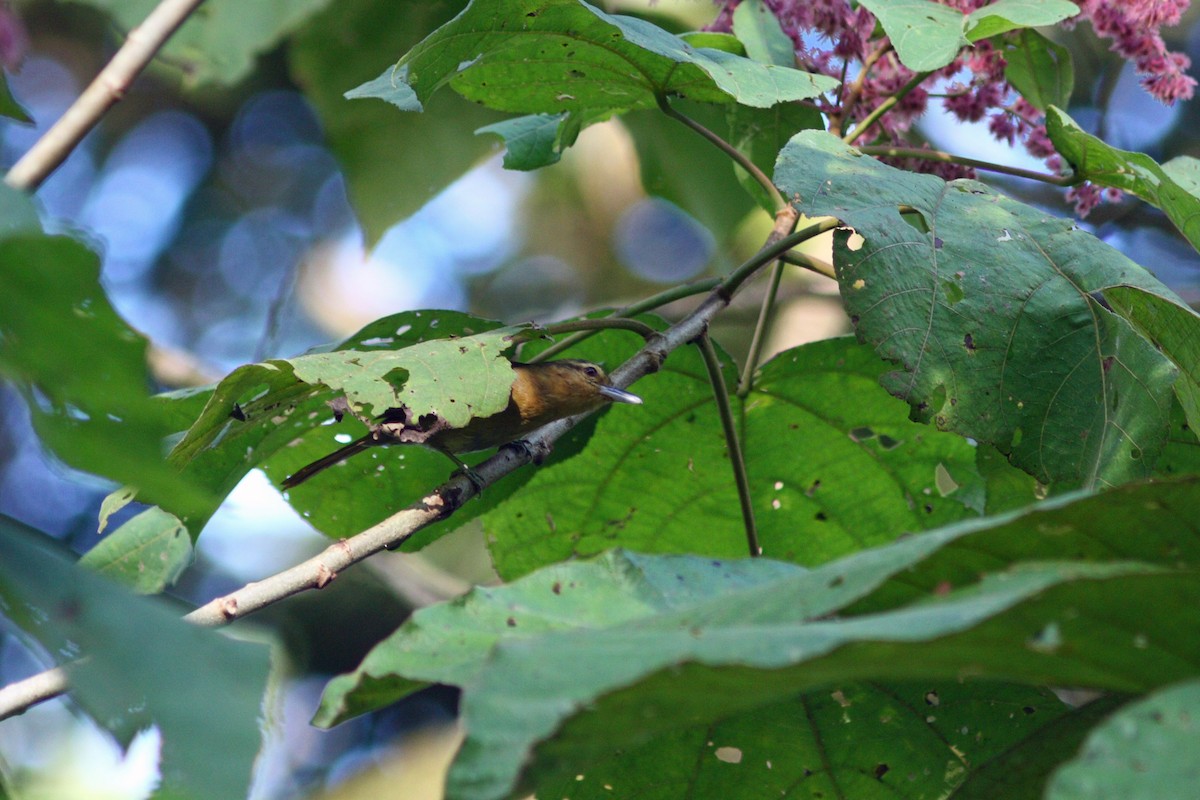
(224, 204)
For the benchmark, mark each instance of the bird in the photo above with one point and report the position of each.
(541, 393)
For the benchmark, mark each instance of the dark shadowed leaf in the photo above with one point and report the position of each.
(993, 311)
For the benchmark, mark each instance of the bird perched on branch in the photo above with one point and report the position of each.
(541, 393)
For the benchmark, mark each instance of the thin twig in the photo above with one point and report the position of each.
(725, 147)
(798, 259)
(319, 571)
(736, 461)
(746, 381)
(646, 304)
(604, 323)
(850, 99)
(950, 158)
(110, 86)
(772, 251)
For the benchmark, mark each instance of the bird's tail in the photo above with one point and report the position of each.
(337, 456)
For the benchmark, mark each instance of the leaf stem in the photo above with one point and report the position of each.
(950, 158)
(646, 304)
(713, 365)
(773, 249)
(604, 323)
(811, 263)
(746, 381)
(725, 147)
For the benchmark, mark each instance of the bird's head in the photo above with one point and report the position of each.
(552, 390)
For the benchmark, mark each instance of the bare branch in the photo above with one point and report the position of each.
(102, 94)
(19, 697)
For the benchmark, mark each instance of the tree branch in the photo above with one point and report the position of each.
(19, 697)
(103, 93)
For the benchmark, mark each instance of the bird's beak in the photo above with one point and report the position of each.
(620, 395)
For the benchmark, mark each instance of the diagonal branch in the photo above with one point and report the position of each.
(109, 86)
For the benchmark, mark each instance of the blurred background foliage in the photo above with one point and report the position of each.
(245, 210)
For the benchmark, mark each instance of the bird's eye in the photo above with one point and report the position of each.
(591, 372)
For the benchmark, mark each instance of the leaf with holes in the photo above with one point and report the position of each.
(995, 312)
(259, 410)
(827, 477)
(673, 643)
(556, 56)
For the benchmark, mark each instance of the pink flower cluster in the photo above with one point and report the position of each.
(973, 86)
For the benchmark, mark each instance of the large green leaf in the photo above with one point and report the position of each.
(447, 642)
(850, 741)
(993, 311)
(81, 368)
(222, 39)
(1041, 70)
(828, 477)
(1136, 173)
(928, 35)
(141, 665)
(554, 56)
(1175, 330)
(1145, 751)
(411, 359)
(1085, 590)
(393, 163)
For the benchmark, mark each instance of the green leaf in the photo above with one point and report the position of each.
(850, 740)
(148, 553)
(532, 142)
(81, 369)
(827, 477)
(758, 29)
(988, 306)
(393, 163)
(928, 35)
(456, 379)
(449, 642)
(643, 681)
(1041, 70)
(555, 56)
(221, 41)
(1025, 768)
(1006, 15)
(141, 665)
(1145, 751)
(1136, 173)
(265, 415)
(9, 107)
(1174, 328)
(760, 133)
(675, 642)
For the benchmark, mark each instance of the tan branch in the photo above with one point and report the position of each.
(103, 93)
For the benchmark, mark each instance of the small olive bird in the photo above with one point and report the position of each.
(541, 393)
